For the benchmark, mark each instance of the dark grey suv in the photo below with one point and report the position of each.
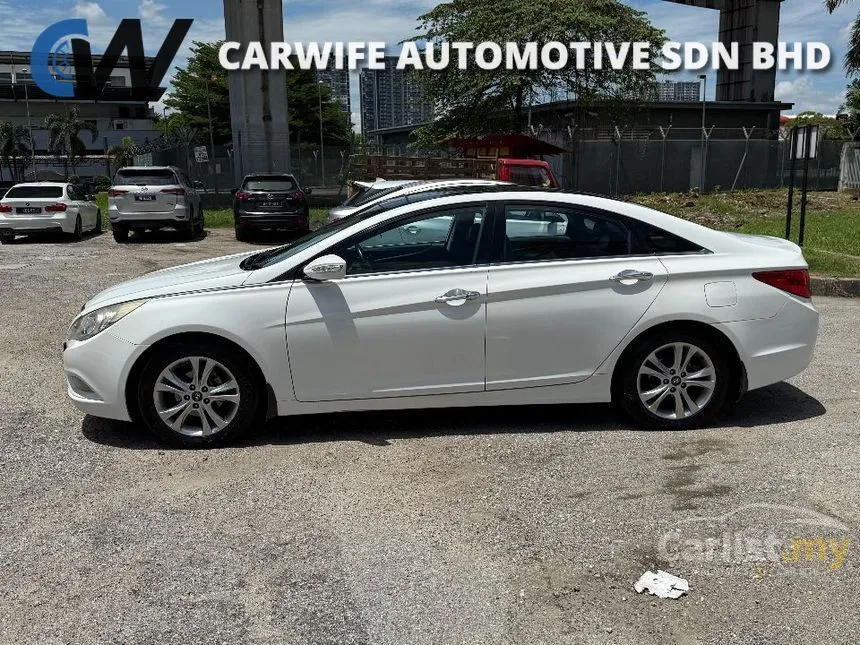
(270, 201)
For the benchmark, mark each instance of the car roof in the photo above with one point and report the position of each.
(56, 184)
(270, 174)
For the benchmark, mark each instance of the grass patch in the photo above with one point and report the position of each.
(832, 244)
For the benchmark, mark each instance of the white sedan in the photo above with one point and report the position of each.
(528, 297)
(48, 206)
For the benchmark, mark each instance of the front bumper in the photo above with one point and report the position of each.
(96, 374)
(64, 222)
(775, 349)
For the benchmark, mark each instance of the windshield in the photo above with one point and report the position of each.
(35, 192)
(280, 253)
(144, 177)
(271, 184)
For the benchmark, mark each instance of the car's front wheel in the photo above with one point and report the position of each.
(7, 238)
(674, 381)
(195, 395)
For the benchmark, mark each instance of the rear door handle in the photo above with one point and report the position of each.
(632, 275)
(456, 295)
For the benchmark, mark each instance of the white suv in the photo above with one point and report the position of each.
(153, 197)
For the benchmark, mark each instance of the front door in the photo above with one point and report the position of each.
(407, 320)
(558, 303)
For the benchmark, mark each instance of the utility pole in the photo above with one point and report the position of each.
(704, 79)
(30, 126)
(211, 135)
(322, 148)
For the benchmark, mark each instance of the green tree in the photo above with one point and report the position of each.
(201, 85)
(304, 97)
(474, 102)
(204, 78)
(852, 57)
(64, 137)
(830, 128)
(121, 155)
(15, 149)
(852, 105)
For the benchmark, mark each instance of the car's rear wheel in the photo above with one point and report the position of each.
(674, 381)
(7, 238)
(120, 234)
(78, 233)
(196, 395)
(242, 235)
(199, 229)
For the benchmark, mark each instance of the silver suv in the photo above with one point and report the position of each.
(153, 197)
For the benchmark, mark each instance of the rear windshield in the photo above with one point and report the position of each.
(144, 177)
(273, 184)
(35, 192)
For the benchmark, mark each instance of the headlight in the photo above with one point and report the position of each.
(97, 321)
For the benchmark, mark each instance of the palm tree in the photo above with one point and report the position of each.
(15, 146)
(852, 58)
(64, 137)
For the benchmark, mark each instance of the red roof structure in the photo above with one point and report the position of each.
(505, 145)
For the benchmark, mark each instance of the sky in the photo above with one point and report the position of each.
(393, 20)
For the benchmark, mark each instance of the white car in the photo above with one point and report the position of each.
(599, 301)
(47, 206)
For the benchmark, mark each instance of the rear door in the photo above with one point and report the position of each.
(273, 195)
(142, 190)
(558, 303)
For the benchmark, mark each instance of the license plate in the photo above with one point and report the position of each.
(28, 210)
(144, 198)
(271, 204)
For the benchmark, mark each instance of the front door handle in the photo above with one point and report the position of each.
(632, 275)
(456, 295)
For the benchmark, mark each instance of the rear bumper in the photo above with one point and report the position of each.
(287, 221)
(64, 222)
(775, 349)
(177, 216)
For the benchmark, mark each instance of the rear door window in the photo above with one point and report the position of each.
(271, 184)
(35, 192)
(145, 177)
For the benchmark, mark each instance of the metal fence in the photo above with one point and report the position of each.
(311, 165)
(665, 160)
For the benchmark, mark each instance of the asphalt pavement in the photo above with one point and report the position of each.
(505, 525)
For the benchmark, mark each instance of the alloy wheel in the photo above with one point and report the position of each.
(196, 396)
(676, 381)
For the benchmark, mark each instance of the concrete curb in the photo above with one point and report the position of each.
(839, 287)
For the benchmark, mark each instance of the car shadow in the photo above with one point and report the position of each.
(163, 236)
(776, 404)
(53, 237)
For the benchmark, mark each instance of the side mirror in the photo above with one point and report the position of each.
(90, 197)
(198, 184)
(307, 191)
(327, 267)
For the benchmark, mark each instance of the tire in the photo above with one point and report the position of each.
(242, 235)
(186, 230)
(211, 424)
(200, 229)
(655, 402)
(7, 238)
(97, 230)
(120, 234)
(78, 233)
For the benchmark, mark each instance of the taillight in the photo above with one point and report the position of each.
(298, 196)
(56, 208)
(174, 191)
(5, 209)
(793, 281)
(242, 196)
(116, 192)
